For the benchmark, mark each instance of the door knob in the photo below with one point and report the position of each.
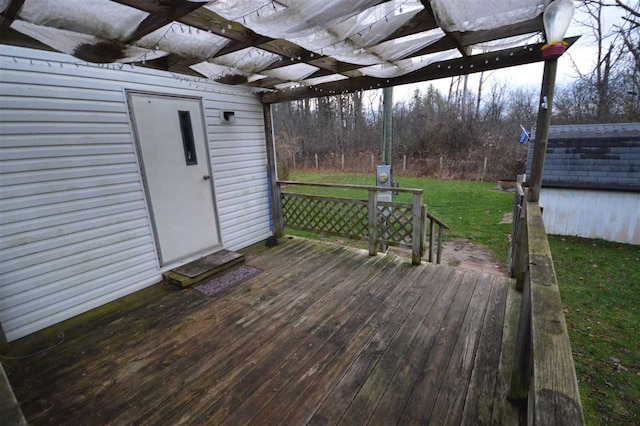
(206, 177)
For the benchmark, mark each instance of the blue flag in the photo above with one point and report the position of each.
(524, 136)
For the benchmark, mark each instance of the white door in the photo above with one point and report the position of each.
(174, 159)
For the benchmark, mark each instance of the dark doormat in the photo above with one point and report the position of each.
(227, 279)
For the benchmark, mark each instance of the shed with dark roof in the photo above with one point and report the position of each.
(591, 181)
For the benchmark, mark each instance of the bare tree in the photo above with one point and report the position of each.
(605, 91)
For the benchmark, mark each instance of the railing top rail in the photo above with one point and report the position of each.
(345, 186)
(436, 220)
(556, 392)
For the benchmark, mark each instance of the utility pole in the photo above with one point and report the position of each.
(387, 124)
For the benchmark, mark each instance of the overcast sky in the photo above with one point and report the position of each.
(583, 53)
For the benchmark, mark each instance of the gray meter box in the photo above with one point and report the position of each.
(384, 179)
(383, 175)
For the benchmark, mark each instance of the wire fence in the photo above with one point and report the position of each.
(440, 167)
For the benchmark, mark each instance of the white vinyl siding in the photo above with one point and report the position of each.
(610, 215)
(75, 231)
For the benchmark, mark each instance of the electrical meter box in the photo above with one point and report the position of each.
(383, 178)
(383, 175)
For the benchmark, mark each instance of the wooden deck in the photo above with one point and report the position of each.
(325, 334)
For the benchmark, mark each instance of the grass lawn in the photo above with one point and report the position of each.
(599, 284)
(600, 289)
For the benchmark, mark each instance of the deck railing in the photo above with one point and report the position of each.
(544, 374)
(378, 222)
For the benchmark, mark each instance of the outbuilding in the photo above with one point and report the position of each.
(591, 181)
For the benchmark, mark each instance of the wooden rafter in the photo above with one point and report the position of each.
(460, 66)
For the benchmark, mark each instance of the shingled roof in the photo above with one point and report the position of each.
(592, 156)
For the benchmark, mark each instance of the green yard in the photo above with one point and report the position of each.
(599, 283)
(600, 288)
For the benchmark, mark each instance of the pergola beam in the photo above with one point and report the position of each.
(454, 67)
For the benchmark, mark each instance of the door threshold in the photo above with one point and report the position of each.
(191, 258)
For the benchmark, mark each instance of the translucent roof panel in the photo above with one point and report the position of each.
(505, 43)
(215, 71)
(250, 59)
(325, 79)
(473, 15)
(375, 24)
(288, 18)
(292, 72)
(86, 47)
(330, 27)
(184, 40)
(406, 66)
(399, 48)
(101, 18)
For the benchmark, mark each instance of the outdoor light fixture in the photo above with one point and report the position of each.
(227, 117)
(557, 17)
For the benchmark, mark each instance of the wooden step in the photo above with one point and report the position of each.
(200, 269)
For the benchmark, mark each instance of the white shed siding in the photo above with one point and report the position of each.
(609, 215)
(75, 231)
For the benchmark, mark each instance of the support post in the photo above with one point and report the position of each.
(432, 226)
(276, 200)
(522, 363)
(416, 238)
(484, 169)
(522, 261)
(439, 254)
(387, 125)
(542, 129)
(316, 155)
(372, 206)
(424, 230)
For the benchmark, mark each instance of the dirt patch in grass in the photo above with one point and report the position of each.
(457, 252)
(472, 257)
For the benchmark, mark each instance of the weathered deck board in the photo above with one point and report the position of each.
(324, 335)
(367, 388)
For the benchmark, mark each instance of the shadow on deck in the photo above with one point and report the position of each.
(324, 334)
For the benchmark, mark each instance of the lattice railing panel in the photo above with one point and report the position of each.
(336, 216)
(381, 223)
(395, 222)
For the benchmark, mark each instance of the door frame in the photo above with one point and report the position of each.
(147, 196)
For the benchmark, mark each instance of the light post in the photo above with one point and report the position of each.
(557, 17)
